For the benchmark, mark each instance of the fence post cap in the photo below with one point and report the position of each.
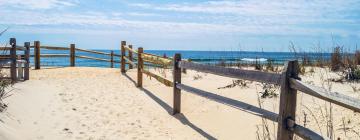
(12, 41)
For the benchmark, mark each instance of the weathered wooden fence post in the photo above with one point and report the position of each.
(140, 66)
(123, 44)
(130, 57)
(13, 59)
(177, 79)
(72, 55)
(27, 59)
(112, 59)
(37, 54)
(287, 102)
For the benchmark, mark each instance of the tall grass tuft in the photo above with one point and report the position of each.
(335, 63)
(357, 57)
(4, 83)
(269, 65)
(258, 66)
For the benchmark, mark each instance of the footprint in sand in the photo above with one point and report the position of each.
(40, 137)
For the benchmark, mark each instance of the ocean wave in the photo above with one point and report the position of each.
(254, 59)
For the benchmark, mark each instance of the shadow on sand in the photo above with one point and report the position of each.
(168, 108)
(128, 77)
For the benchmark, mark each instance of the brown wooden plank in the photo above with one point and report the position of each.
(13, 60)
(5, 62)
(177, 80)
(72, 55)
(333, 97)
(54, 55)
(54, 48)
(9, 48)
(8, 78)
(272, 78)
(140, 67)
(92, 58)
(162, 80)
(157, 59)
(21, 48)
(5, 48)
(130, 49)
(112, 59)
(27, 59)
(37, 54)
(231, 102)
(92, 51)
(129, 61)
(8, 56)
(287, 106)
(122, 67)
(305, 133)
(168, 58)
(130, 53)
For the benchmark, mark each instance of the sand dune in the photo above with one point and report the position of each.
(100, 103)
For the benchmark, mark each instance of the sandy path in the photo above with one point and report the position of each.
(97, 104)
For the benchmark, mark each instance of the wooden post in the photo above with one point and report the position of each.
(13, 59)
(27, 59)
(123, 44)
(130, 57)
(140, 66)
(112, 59)
(72, 55)
(287, 102)
(20, 71)
(177, 79)
(37, 54)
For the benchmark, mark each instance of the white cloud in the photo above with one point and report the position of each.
(142, 14)
(38, 4)
(268, 11)
(95, 21)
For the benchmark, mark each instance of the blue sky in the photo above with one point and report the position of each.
(251, 25)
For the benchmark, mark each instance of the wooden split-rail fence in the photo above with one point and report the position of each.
(288, 80)
(72, 54)
(18, 59)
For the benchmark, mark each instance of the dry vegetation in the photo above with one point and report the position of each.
(4, 83)
(317, 115)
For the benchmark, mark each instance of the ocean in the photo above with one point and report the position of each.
(207, 57)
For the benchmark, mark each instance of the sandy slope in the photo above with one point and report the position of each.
(100, 103)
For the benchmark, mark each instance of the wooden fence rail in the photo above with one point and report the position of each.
(54, 48)
(333, 97)
(92, 51)
(162, 80)
(272, 78)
